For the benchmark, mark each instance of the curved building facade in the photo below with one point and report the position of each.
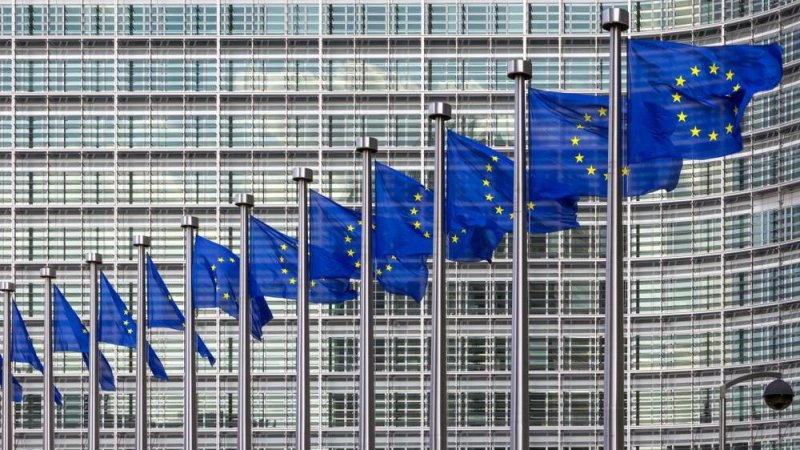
(118, 117)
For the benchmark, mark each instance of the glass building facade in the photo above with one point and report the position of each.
(118, 117)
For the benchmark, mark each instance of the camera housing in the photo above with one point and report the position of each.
(778, 395)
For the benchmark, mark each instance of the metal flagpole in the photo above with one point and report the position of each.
(615, 20)
(49, 423)
(8, 289)
(141, 243)
(302, 176)
(367, 146)
(440, 113)
(189, 225)
(245, 203)
(520, 71)
(94, 260)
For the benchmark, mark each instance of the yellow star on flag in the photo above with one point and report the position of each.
(348, 239)
(531, 205)
(417, 225)
(729, 128)
(313, 283)
(213, 267)
(729, 75)
(681, 117)
(130, 331)
(292, 280)
(488, 167)
(417, 197)
(281, 259)
(486, 182)
(284, 271)
(221, 260)
(713, 68)
(579, 158)
(712, 136)
(378, 272)
(676, 98)
(737, 87)
(351, 252)
(602, 111)
(413, 211)
(625, 171)
(284, 247)
(226, 296)
(388, 267)
(489, 197)
(580, 126)
(680, 81)
(575, 140)
(591, 170)
(695, 71)
(736, 110)
(495, 158)
(125, 322)
(695, 131)
(587, 117)
(351, 228)
(454, 239)
(427, 235)
(498, 209)
(358, 264)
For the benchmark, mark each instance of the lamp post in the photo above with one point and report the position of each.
(778, 395)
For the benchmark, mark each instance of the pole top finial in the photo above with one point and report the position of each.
(189, 222)
(367, 144)
(244, 200)
(94, 258)
(302, 174)
(7, 286)
(615, 17)
(141, 240)
(519, 68)
(47, 272)
(439, 109)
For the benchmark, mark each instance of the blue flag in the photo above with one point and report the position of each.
(215, 279)
(69, 335)
(403, 214)
(336, 251)
(273, 269)
(22, 350)
(569, 150)
(14, 381)
(118, 328)
(162, 312)
(689, 100)
(479, 205)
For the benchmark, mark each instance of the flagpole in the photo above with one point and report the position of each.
(49, 423)
(367, 146)
(141, 243)
(614, 20)
(439, 112)
(245, 203)
(8, 289)
(94, 260)
(189, 225)
(302, 176)
(520, 71)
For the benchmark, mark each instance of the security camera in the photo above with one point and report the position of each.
(778, 395)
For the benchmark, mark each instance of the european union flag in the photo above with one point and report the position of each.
(14, 381)
(336, 251)
(690, 100)
(215, 279)
(479, 205)
(273, 268)
(403, 214)
(569, 150)
(162, 312)
(116, 326)
(22, 350)
(69, 335)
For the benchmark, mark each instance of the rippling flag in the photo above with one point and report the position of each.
(690, 100)
(215, 281)
(116, 326)
(479, 201)
(22, 350)
(14, 381)
(273, 269)
(162, 312)
(336, 250)
(69, 335)
(569, 150)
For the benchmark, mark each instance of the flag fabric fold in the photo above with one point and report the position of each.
(273, 269)
(479, 201)
(117, 326)
(14, 381)
(689, 101)
(70, 335)
(215, 280)
(162, 312)
(22, 350)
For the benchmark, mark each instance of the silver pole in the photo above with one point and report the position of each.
(520, 71)
(615, 20)
(189, 225)
(440, 113)
(302, 176)
(245, 203)
(723, 407)
(8, 289)
(367, 146)
(49, 424)
(94, 260)
(141, 243)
